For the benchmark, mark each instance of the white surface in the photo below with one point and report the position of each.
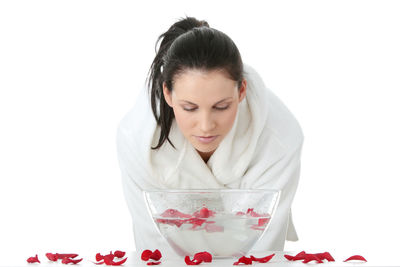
(174, 261)
(69, 70)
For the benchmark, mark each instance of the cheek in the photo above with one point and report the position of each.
(227, 120)
(182, 120)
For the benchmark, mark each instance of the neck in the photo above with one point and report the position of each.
(205, 155)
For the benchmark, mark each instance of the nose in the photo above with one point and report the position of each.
(206, 123)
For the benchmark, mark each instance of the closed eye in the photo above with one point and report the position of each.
(222, 108)
(217, 108)
(189, 109)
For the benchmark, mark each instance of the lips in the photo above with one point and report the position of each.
(206, 139)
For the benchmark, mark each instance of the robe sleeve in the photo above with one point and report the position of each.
(136, 177)
(283, 175)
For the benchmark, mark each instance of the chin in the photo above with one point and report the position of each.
(205, 148)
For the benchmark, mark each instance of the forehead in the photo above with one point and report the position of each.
(198, 85)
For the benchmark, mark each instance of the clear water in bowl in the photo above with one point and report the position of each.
(222, 234)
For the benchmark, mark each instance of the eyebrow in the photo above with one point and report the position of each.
(214, 104)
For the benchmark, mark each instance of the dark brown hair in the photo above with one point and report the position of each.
(188, 44)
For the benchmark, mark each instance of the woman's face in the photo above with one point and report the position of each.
(205, 106)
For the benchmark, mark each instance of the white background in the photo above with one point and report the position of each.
(70, 70)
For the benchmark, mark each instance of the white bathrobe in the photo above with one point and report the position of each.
(262, 150)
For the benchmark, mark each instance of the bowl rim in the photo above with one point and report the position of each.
(211, 190)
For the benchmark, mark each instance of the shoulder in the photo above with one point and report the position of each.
(280, 124)
(137, 126)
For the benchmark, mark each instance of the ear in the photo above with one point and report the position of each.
(242, 90)
(167, 95)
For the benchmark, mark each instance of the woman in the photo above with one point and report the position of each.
(207, 122)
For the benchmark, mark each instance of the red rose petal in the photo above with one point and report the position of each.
(99, 257)
(56, 256)
(245, 260)
(119, 254)
(252, 213)
(203, 256)
(108, 257)
(307, 257)
(300, 256)
(146, 254)
(154, 263)
(328, 256)
(204, 213)
(264, 259)
(156, 255)
(176, 222)
(289, 257)
(170, 213)
(108, 261)
(356, 257)
(188, 261)
(51, 256)
(325, 256)
(311, 257)
(255, 227)
(33, 259)
(67, 260)
(61, 256)
(173, 213)
(263, 221)
(196, 221)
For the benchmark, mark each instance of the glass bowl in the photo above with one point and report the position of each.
(224, 222)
